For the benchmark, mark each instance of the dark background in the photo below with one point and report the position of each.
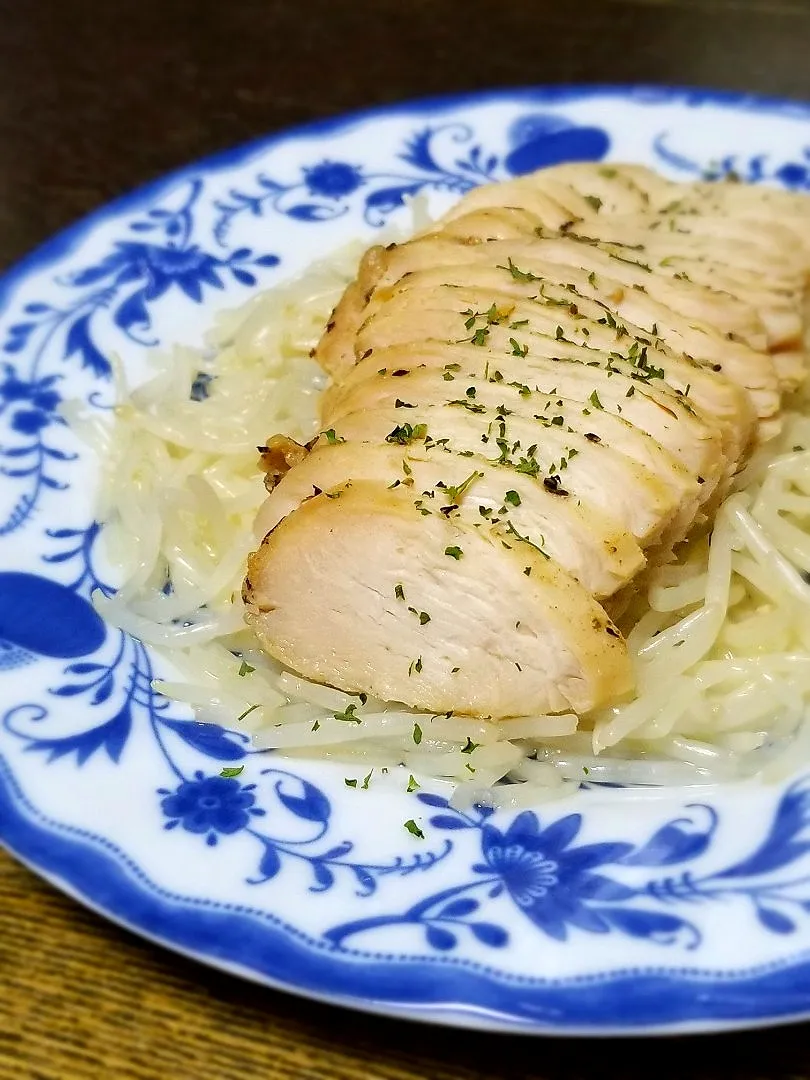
(98, 97)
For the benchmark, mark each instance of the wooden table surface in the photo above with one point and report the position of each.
(96, 97)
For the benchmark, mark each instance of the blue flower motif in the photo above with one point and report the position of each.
(549, 880)
(161, 267)
(38, 399)
(333, 179)
(165, 265)
(40, 392)
(29, 421)
(13, 388)
(528, 875)
(793, 175)
(157, 268)
(211, 805)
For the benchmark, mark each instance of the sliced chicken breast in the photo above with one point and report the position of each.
(534, 268)
(532, 402)
(593, 474)
(589, 545)
(631, 293)
(707, 442)
(742, 202)
(501, 400)
(499, 630)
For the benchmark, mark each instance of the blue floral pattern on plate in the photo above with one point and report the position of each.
(195, 820)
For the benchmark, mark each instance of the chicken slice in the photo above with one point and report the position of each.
(546, 307)
(322, 593)
(435, 377)
(530, 267)
(708, 442)
(721, 210)
(487, 223)
(550, 195)
(335, 351)
(624, 423)
(605, 188)
(617, 190)
(728, 225)
(428, 386)
(743, 202)
(625, 265)
(689, 240)
(766, 296)
(589, 545)
(645, 300)
(591, 473)
(385, 267)
(695, 442)
(790, 361)
(520, 194)
(731, 241)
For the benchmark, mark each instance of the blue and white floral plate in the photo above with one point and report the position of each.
(609, 914)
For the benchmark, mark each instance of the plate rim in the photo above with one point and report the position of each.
(40, 847)
(81, 863)
(63, 240)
